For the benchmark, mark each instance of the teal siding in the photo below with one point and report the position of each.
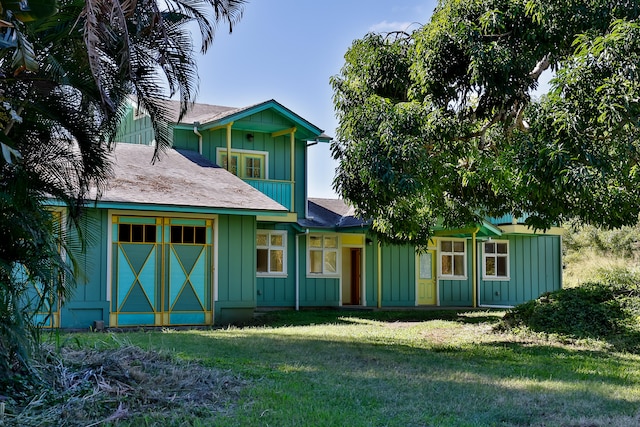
(279, 291)
(277, 190)
(534, 263)
(89, 299)
(458, 293)
(279, 148)
(398, 275)
(371, 272)
(316, 291)
(320, 292)
(300, 176)
(236, 267)
(135, 131)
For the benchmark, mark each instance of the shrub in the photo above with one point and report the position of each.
(607, 309)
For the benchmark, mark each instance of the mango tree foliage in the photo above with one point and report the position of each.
(441, 127)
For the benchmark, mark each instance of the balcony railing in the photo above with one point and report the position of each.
(509, 219)
(280, 191)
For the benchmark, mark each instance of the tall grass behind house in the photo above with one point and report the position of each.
(589, 251)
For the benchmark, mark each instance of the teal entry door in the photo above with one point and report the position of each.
(162, 272)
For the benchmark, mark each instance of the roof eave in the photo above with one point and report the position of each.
(309, 128)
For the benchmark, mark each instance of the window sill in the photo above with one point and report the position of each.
(323, 275)
(272, 275)
(496, 279)
(455, 278)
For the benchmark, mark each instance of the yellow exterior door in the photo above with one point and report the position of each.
(426, 277)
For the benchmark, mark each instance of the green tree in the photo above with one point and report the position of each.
(67, 69)
(439, 127)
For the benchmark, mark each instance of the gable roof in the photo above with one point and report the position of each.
(331, 214)
(335, 214)
(207, 116)
(181, 180)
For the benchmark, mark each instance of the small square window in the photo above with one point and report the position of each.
(453, 258)
(276, 261)
(315, 261)
(137, 233)
(271, 252)
(262, 261)
(496, 260)
(124, 232)
(276, 240)
(315, 242)
(323, 254)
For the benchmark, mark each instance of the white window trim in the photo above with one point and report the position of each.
(337, 250)
(495, 278)
(269, 273)
(222, 150)
(465, 260)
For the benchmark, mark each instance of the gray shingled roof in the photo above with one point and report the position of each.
(207, 113)
(331, 213)
(179, 178)
(202, 113)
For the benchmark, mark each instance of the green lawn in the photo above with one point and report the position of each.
(426, 368)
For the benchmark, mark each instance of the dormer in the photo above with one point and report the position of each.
(263, 144)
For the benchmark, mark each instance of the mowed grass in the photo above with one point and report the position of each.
(420, 368)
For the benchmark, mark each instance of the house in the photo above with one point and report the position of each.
(222, 225)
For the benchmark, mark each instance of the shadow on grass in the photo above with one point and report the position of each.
(282, 318)
(378, 381)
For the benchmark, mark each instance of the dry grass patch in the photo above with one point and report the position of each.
(586, 265)
(89, 387)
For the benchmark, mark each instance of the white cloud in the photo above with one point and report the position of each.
(385, 26)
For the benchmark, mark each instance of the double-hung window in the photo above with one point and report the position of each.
(453, 259)
(244, 163)
(322, 254)
(496, 260)
(271, 252)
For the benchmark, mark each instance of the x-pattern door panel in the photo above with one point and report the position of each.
(162, 271)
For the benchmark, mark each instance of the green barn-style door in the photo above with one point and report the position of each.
(161, 272)
(188, 272)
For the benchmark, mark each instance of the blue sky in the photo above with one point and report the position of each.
(288, 49)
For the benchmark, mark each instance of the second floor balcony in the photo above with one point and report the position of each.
(280, 191)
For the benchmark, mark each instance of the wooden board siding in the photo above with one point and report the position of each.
(89, 300)
(300, 177)
(317, 291)
(236, 270)
(135, 131)
(458, 293)
(320, 292)
(278, 148)
(535, 268)
(280, 291)
(398, 276)
(371, 273)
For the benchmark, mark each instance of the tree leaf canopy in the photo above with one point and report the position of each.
(442, 127)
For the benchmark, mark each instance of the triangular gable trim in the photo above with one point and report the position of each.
(241, 113)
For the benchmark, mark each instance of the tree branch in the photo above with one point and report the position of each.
(540, 67)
